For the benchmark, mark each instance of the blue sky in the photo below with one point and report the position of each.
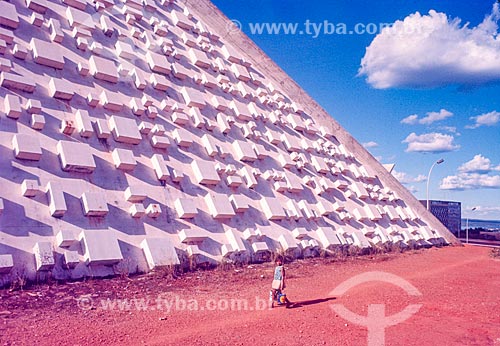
(426, 89)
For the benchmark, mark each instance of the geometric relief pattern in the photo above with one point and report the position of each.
(142, 133)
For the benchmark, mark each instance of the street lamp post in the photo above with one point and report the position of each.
(438, 162)
(467, 227)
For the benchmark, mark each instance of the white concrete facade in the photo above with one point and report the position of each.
(151, 145)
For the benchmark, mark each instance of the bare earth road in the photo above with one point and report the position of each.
(457, 289)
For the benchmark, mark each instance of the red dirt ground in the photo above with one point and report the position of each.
(460, 299)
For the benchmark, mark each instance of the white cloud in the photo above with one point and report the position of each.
(430, 142)
(405, 178)
(412, 189)
(486, 119)
(370, 144)
(479, 164)
(435, 116)
(470, 181)
(410, 119)
(487, 208)
(434, 50)
(477, 173)
(451, 129)
(429, 119)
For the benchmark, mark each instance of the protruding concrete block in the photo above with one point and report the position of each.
(260, 247)
(234, 240)
(248, 177)
(71, 258)
(65, 238)
(328, 237)
(382, 235)
(102, 129)
(272, 209)
(160, 167)
(93, 99)
(103, 69)
(190, 235)
(306, 209)
(12, 106)
(159, 82)
(139, 79)
(360, 239)
(57, 203)
(124, 159)
(182, 137)
(83, 123)
(372, 212)
(6, 263)
(61, 89)
(319, 165)
(185, 208)
(243, 151)
(26, 147)
(209, 145)
(76, 157)
(176, 175)
(204, 172)
(179, 71)
(158, 129)
(137, 210)
(219, 206)
(199, 58)
(17, 82)
(125, 130)
(145, 127)
(391, 212)
(299, 233)
(158, 63)
(153, 210)
(180, 118)
(37, 122)
(39, 6)
(192, 97)
(287, 242)
(94, 204)
(227, 250)
(67, 127)
(30, 187)
(44, 256)
(251, 234)
(181, 20)
(79, 18)
(124, 49)
(137, 107)
(47, 54)
(135, 194)
(83, 69)
(100, 247)
(427, 233)
(5, 64)
(160, 142)
(8, 15)
(240, 203)
(293, 210)
(159, 252)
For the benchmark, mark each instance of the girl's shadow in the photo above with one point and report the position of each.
(303, 303)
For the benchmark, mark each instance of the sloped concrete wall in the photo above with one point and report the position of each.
(136, 135)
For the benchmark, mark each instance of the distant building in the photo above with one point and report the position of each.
(448, 212)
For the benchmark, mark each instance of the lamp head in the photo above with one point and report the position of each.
(440, 161)
(473, 208)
